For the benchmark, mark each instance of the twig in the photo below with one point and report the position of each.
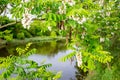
(7, 25)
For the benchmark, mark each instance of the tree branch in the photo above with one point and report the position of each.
(9, 24)
(12, 23)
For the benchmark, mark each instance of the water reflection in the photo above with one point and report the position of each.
(43, 48)
(3, 52)
(80, 74)
(51, 52)
(49, 48)
(67, 68)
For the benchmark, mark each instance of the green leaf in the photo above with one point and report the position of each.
(68, 56)
(57, 76)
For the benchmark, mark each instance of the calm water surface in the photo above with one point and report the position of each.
(50, 52)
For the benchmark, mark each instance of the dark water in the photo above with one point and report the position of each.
(50, 52)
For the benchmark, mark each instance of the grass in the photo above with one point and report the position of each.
(33, 39)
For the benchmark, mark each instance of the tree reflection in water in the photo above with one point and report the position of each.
(80, 74)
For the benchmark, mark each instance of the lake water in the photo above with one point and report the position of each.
(50, 52)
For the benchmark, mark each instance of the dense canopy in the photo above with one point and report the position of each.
(93, 26)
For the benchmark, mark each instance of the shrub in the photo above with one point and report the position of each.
(20, 35)
(53, 34)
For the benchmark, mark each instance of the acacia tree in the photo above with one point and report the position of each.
(89, 24)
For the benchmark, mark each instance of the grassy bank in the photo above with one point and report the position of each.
(33, 39)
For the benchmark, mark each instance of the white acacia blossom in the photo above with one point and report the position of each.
(108, 13)
(79, 59)
(77, 18)
(42, 12)
(25, 1)
(102, 39)
(27, 19)
(62, 8)
(101, 2)
(70, 2)
(82, 21)
(49, 28)
(83, 35)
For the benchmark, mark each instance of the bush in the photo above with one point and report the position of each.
(20, 35)
(27, 34)
(53, 34)
(39, 28)
(8, 37)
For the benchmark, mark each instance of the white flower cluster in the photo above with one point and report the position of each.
(83, 35)
(76, 18)
(62, 8)
(70, 2)
(108, 13)
(102, 39)
(101, 2)
(26, 20)
(49, 28)
(79, 59)
(42, 12)
(112, 33)
(25, 1)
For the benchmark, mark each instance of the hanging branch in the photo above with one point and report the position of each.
(9, 24)
(12, 23)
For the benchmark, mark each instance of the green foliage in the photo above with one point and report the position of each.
(62, 33)
(92, 25)
(69, 56)
(39, 28)
(110, 69)
(88, 35)
(6, 35)
(53, 34)
(4, 20)
(3, 4)
(23, 51)
(23, 68)
(20, 35)
(12, 31)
